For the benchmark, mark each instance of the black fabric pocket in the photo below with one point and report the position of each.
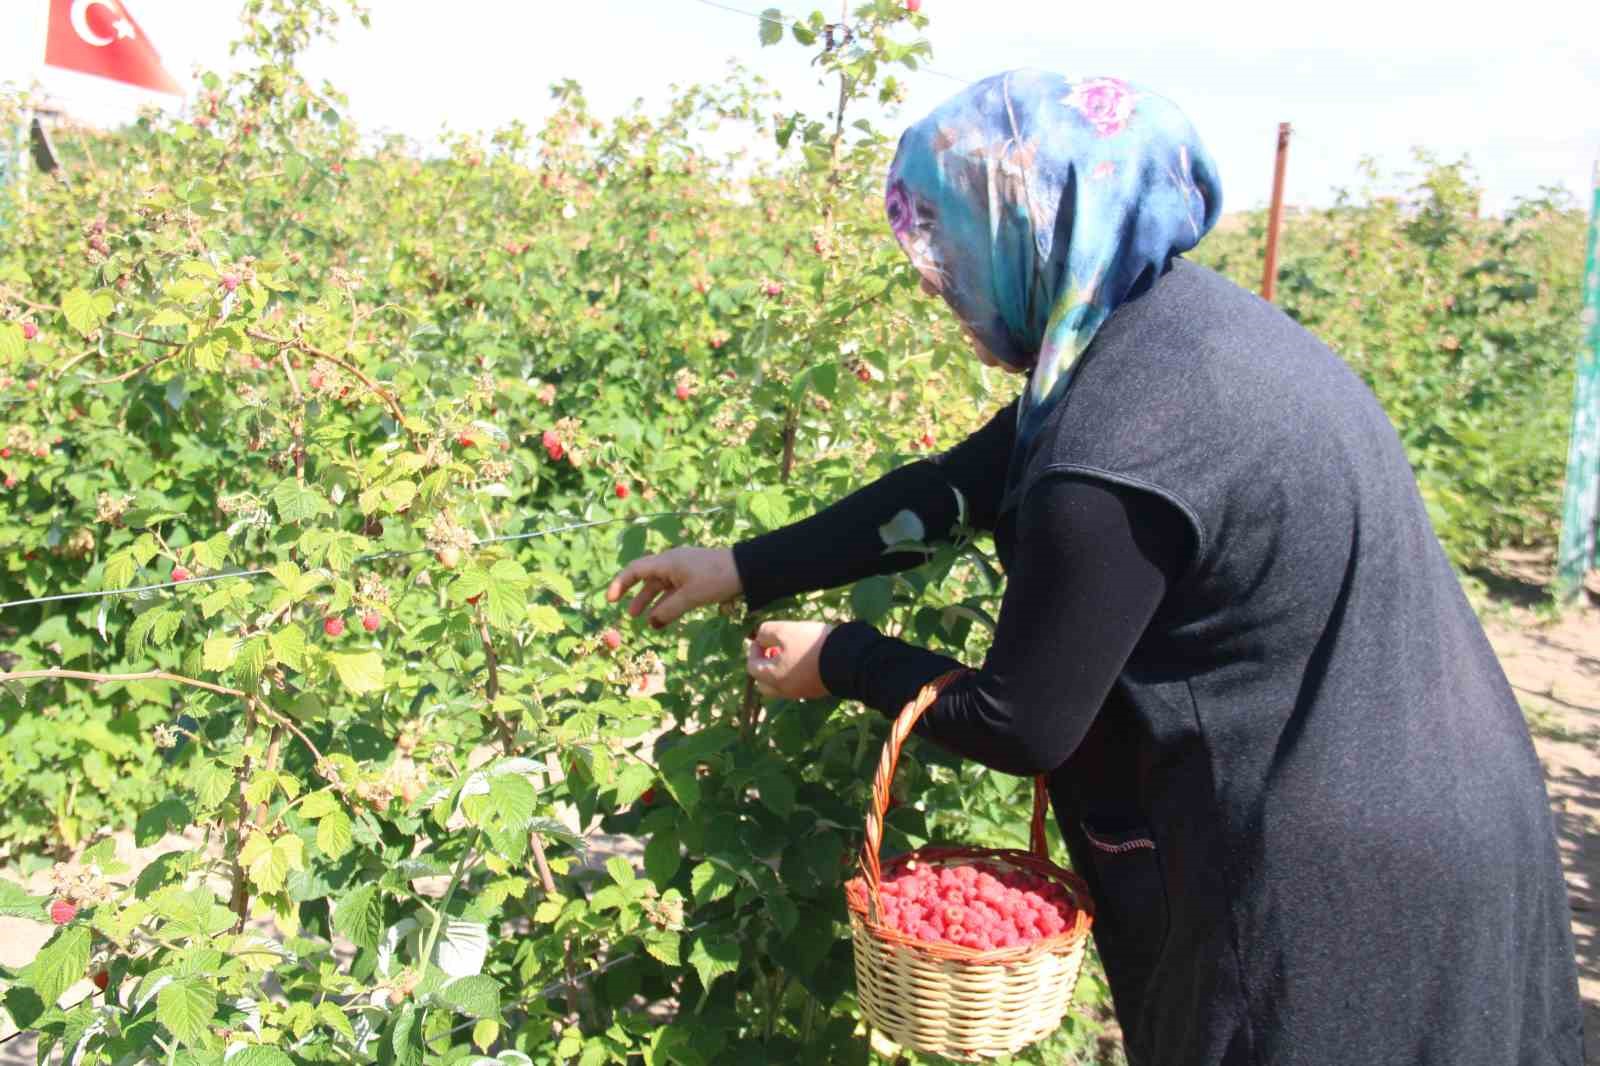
(1131, 917)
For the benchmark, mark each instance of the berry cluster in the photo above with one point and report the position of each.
(976, 906)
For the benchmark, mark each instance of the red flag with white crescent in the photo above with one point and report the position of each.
(100, 37)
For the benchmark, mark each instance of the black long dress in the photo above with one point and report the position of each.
(1282, 751)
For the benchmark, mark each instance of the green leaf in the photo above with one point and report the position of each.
(59, 965)
(485, 1033)
(771, 26)
(871, 598)
(359, 672)
(663, 946)
(261, 1055)
(712, 956)
(297, 503)
(15, 902)
(770, 508)
(803, 34)
(621, 871)
(149, 624)
(402, 1041)
(359, 916)
(511, 799)
(186, 1007)
(288, 645)
(710, 882)
(86, 311)
(777, 791)
(477, 996)
(11, 342)
(219, 652)
(319, 804)
(662, 858)
(270, 861)
(632, 782)
(334, 836)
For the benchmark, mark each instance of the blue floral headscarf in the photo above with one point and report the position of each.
(1036, 205)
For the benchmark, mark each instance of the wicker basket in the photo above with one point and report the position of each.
(942, 998)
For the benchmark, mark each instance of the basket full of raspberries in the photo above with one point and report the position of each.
(969, 953)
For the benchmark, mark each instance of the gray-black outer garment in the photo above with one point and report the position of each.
(1323, 834)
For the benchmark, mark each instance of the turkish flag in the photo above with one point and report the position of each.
(100, 37)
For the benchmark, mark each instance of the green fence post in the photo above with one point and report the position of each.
(1582, 501)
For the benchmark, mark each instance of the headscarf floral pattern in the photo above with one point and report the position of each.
(1036, 205)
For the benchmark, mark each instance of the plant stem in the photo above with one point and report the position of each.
(444, 903)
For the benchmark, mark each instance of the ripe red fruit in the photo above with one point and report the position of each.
(864, 374)
(230, 281)
(648, 796)
(371, 621)
(622, 491)
(180, 573)
(63, 911)
(333, 626)
(473, 599)
(913, 6)
(551, 439)
(465, 441)
(556, 451)
(612, 639)
(10, 481)
(774, 288)
(29, 331)
(927, 440)
(315, 379)
(5, 453)
(682, 392)
(449, 556)
(772, 652)
(101, 980)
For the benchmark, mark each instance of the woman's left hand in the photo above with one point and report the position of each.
(791, 672)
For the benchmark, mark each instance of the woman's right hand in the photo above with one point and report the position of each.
(690, 577)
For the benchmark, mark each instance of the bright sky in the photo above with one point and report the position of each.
(1515, 87)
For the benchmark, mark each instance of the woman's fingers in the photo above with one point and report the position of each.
(653, 587)
(672, 607)
(630, 575)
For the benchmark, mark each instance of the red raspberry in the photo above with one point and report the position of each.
(29, 331)
(864, 374)
(551, 439)
(230, 281)
(612, 639)
(180, 574)
(371, 621)
(63, 911)
(648, 796)
(5, 453)
(333, 626)
(682, 392)
(772, 652)
(101, 980)
(621, 491)
(465, 441)
(556, 451)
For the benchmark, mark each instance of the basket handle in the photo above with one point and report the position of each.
(884, 777)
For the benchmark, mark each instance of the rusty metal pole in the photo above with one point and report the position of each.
(1269, 280)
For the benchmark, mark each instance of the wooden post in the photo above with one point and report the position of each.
(1582, 499)
(1269, 280)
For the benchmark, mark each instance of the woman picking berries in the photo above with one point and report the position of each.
(1280, 749)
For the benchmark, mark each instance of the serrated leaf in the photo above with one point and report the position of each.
(663, 946)
(402, 1041)
(59, 965)
(212, 783)
(186, 1006)
(11, 342)
(359, 916)
(85, 311)
(511, 799)
(477, 996)
(288, 645)
(359, 672)
(15, 902)
(329, 1014)
(319, 804)
(621, 871)
(270, 861)
(632, 782)
(219, 652)
(662, 858)
(771, 26)
(710, 882)
(297, 503)
(712, 956)
(485, 1033)
(261, 1055)
(334, 835)
(252, 660)
(120, 568)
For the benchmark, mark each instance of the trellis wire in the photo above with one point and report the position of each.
(371, 557)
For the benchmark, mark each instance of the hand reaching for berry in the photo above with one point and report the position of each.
(784, 659)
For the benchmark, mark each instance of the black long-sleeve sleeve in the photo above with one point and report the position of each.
(857, 529)
(1092, 563)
